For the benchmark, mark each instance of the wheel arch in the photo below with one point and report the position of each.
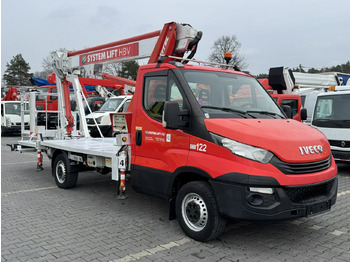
(55, 153)
(180, 177)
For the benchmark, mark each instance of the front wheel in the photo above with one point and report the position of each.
(197, 212)
(61, 171)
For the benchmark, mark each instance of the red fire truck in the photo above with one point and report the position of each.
(211, 141)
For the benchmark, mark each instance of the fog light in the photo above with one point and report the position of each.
(255, 200)
(262, 190)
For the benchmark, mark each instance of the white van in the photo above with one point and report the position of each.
(11, 117)
(102, 117)
(331, 115)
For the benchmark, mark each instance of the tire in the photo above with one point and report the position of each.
(61, 171)
(197, 212)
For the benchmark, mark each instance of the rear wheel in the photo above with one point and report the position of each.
(197, 212)
(62, 172)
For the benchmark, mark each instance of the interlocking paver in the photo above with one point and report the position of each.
(87, 223)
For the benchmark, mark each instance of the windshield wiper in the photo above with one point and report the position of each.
(264, 113)
(228, 109)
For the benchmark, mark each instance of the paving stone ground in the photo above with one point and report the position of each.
(40, 222)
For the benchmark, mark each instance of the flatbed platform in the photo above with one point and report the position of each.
(105, 147)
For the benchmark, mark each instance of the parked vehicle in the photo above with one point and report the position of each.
(210, 141)
(331, 116)
(100, 120)
(11, 117)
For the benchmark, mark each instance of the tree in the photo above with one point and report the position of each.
(17, 72)
(47, 65)
(129, 70)
(126, 70)
(227, 44)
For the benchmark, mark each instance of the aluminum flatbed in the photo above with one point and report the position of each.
(100, 147)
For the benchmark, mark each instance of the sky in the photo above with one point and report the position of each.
(311, 33)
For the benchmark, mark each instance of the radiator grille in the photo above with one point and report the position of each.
(301, 168)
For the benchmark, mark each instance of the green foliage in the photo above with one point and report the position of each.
(129, 70)
(262, 76)
(126, 70)
(17, 72)
(343, 68)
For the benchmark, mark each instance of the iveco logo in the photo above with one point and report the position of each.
(306, 150)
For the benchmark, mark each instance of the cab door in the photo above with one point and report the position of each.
(158, 151)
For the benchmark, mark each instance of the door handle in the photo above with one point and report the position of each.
(138, 137)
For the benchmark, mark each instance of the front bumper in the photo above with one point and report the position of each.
(287, 202)
(12, 129)
(339, 155)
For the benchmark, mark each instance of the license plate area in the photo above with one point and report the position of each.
(318, 208)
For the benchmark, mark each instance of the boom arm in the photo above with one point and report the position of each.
(173, 40)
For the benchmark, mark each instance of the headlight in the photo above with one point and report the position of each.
(251, 152)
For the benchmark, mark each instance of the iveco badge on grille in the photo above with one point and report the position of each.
(310, 150)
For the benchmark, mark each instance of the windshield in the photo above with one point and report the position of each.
(229, 95)
(111, 104)
(15, 108)
(42, 97)
(332, 111)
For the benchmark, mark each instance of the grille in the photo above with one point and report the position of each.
(301, 168)
(339, 143)
(341, 155)
(307, 194)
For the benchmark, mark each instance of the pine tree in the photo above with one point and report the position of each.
(129, 70)
(17, 72)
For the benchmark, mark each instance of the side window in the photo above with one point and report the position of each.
(54, 91)
(155, 95)
(157, 90)
(175, 94)
(293, 105)
(126, 105)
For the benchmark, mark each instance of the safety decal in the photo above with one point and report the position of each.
(155, 136)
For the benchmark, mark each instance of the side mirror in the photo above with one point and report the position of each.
(303, 114)
(172, 116)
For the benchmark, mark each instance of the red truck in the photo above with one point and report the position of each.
(292, 103)
(210, 141)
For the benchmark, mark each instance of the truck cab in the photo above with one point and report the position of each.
(221, 127)
(293, 101)
(11, 117)
(46, 101)
(331, 116)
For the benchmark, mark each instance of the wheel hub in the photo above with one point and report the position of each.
(194, 211)
(61, 172)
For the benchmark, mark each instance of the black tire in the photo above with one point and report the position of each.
(197, 212)
(62, 172)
